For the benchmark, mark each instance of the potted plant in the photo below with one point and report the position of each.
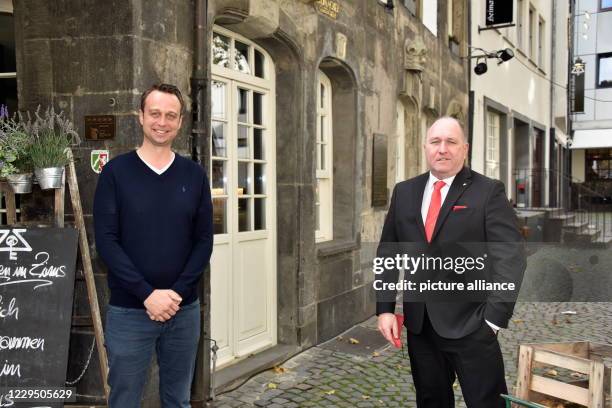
(52, 134)
(15, 164)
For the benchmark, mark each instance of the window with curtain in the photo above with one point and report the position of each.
(492, 145)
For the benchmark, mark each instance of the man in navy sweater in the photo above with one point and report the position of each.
(153, 228)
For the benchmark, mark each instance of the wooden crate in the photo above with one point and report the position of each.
(587, 358)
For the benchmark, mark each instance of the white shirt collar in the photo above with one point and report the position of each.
(432, 179)
(156, 170)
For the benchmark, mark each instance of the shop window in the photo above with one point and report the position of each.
(605, 5)
(541, 43)
(598, 164)
(604, 70)
(531, 27)
(519, 23)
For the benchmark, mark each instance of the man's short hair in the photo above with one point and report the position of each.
(165, 88)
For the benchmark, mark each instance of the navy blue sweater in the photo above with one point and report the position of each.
(152, 231)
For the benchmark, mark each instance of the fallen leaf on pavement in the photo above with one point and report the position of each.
(576, 375)
(272, 386)
(353, 341)
(552, 373)
(330, 392)
(376, 354)
(517, 321)
(280, 370)
(365, 397)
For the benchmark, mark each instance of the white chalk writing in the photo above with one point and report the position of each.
(25, 342)
(9, 311)
(9, 369)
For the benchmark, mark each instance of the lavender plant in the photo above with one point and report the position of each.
(52, 134)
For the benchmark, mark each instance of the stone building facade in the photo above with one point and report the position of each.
(313, 111)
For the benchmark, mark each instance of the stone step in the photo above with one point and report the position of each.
(575, 226)
(603, 242)
(562, 217)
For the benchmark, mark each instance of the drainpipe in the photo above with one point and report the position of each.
(553, 60)
(201, 387)
(471, 100)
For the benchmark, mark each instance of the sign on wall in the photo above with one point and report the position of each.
(99, 127)
(498, 12)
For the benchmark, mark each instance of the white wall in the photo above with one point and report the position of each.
(430, 15)
(6, 6)
(578, 165)
(518, 84)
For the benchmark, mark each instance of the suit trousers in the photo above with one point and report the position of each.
(475, 359)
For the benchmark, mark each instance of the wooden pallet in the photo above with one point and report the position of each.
(582, 357)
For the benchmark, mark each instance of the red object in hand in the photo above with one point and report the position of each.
(397, 342)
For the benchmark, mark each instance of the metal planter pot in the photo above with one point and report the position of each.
(50, 177)
(20, 183)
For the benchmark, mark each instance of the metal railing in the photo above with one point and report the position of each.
(588, 208)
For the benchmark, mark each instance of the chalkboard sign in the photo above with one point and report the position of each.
(36, 287)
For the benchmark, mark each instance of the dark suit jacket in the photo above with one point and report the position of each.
(487, 218)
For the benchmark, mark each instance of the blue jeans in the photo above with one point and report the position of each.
(132, 337)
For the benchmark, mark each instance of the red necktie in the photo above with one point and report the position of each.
(434, 209)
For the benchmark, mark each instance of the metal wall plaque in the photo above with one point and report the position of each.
(330, 8)
(99, 127)
(379, 171)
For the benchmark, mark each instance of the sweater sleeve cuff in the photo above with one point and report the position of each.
(385, 307)
(143, 290)
(182, 290)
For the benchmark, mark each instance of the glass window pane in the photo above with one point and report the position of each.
(244, 214)
(260, 214)
(322, 148)
(606, 4)
(7, 43)
(258, 144)
(217, 92)
(259, 64)
(257, 108)
(322, 96)
(322, 134)
(243, 142)
(219, 177)
(605, 71)
(8, 94)
(242, 57)
(221, 50)
(218, 139)
(244, 180)
(243, 113)
(219, 215)
(260, 178)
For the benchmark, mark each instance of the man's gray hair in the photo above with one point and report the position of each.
(447, 119)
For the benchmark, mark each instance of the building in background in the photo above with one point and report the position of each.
(519, 109)
(592, 104)
(312, 111)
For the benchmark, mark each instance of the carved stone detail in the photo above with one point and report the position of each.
(415, 55)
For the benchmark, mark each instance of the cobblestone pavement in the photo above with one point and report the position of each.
(367, 373)
(320, 377)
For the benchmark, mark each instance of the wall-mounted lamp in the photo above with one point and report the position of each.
(501, 56)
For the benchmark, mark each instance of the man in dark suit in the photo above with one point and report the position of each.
(446, 206)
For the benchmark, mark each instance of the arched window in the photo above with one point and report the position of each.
(324, 202)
